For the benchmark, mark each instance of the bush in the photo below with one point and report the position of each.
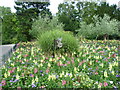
(69, 42)
(45, 24)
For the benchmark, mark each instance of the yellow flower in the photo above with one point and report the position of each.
(18, 69)
(8, 73)
(102, 65)
(51, 77)
(50, 59)
(78, 60)
(63, 57)
(75, 70)
(115, 63)
(99, 86)
(49, 65)
(17, 76)
(71, 75)
(105, 74)
(113, 72)
(90, 62)
(89, 57)
(5, 75)
(34, 61)
(41, 64)
(36, 79)
(12, 64)
(3, 66)
(30, 58)
(60, 62)
(84, 66)
(100, 57)
(62, 74)
(110, 67)
(33, 81)
(96, 57)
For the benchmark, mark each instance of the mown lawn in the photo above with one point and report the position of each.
(94, 66)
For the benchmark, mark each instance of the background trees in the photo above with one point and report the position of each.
(27, 12)
(16, 26)
(72, 14)
(67, 14)
(102, 27)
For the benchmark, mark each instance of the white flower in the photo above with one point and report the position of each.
(41, 60)
(111, 82)
(9, 60)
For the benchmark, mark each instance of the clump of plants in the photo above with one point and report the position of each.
(57, 41)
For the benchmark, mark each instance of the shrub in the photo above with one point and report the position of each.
(45, 24)
(69, 42)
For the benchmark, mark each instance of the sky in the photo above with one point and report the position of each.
(53, 4)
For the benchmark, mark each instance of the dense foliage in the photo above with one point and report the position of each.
(16, 26)
(69, 42)
(72, 13)
(42, 25)
(96, 66)
(102, 27)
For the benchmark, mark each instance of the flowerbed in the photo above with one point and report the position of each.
(94, 66)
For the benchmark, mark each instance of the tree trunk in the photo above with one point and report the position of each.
(105, 37)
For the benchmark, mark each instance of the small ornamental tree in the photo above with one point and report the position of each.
(102, 27)
(42, 25)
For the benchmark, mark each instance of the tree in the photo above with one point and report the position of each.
(27, 12)
(67, 14)
(86, 10)
(7, 25)
(110, 10)
(103, 27)
(45, 24)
